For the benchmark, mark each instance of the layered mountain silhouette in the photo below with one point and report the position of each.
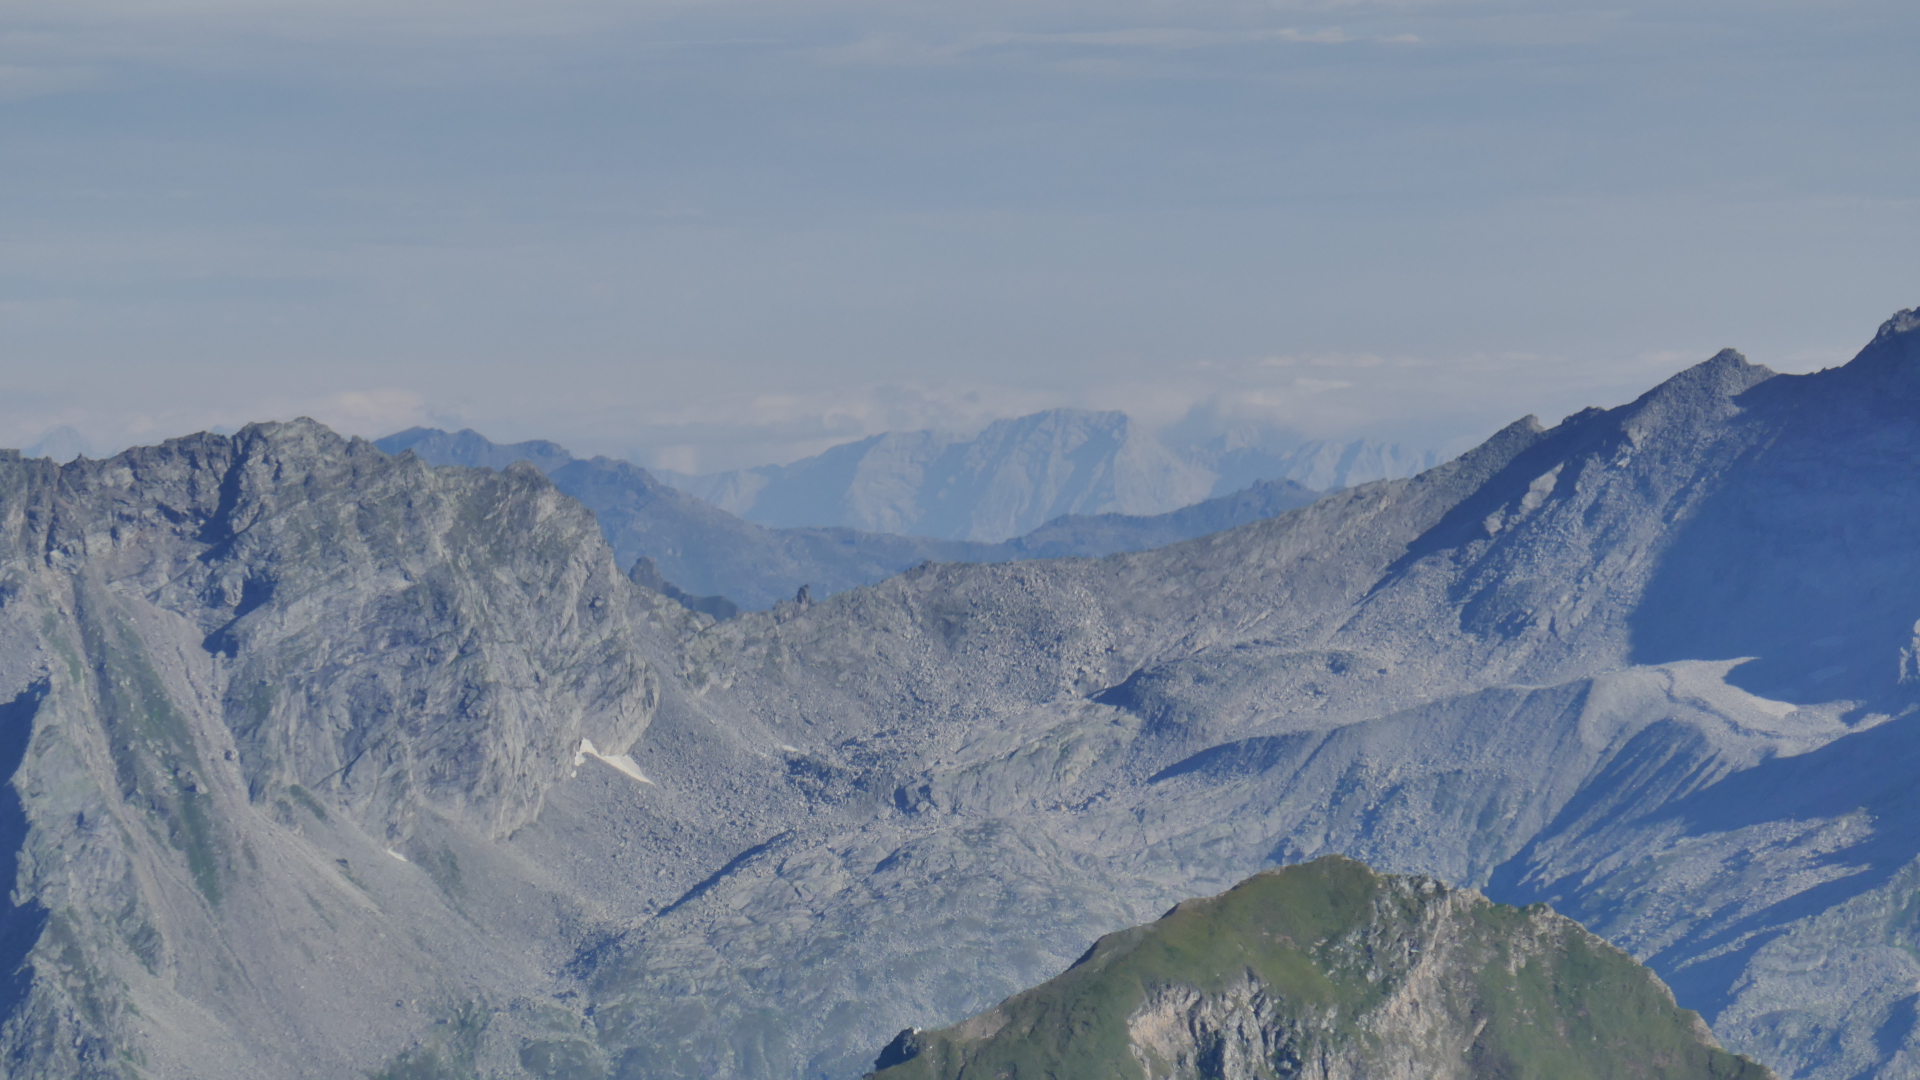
(718, 562)
(327, 762)
(1021, 473)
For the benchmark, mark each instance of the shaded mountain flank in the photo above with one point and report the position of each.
(717, 560)
(337, 764)
(1328, 971)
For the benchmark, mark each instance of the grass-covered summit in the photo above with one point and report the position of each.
(1330, 971)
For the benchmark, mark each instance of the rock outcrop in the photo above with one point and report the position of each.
(1328, 971)
(242, 667)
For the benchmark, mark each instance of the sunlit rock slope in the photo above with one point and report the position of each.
(1329, 971)
(248, 679)
(1653, 665)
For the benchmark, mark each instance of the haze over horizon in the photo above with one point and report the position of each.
(704, 236)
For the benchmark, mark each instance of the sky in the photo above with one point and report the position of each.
(706, 234)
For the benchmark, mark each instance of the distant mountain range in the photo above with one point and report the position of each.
(1240, 458)
(1019, 474)
(62, 444)
(707, 555)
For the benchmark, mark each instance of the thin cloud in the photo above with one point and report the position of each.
(1340, 360)
(895, 48)
(1160, 37)
(1330, 36)
(20, 82)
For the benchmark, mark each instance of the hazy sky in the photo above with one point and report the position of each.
(706, 234)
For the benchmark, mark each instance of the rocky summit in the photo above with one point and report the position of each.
(245, 676)
(1329, 971)
(328, 763)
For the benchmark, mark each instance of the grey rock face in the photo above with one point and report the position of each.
(1566, 666)
(249, 676)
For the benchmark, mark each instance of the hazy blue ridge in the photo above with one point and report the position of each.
(703, 551)
(1012, 477)
(1022, 472)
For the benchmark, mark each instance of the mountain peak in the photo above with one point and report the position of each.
(1328, 969)
(1895, 349)
(1691, 396)
(301, 431)
(1727, 371)
(1903, 322)
(470, 448)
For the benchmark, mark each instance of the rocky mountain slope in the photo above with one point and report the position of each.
(247, 676)
(1330, 971)
(1652, 665)
(703, 551)
(329, 763)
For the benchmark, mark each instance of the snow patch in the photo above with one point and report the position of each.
(622, 762)
(626, 764)
(1541, 487)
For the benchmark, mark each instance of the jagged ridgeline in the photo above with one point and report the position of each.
(246, 677)
(1329, 971)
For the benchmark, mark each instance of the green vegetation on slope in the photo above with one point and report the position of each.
(1330, 970)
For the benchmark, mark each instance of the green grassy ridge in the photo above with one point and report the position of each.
(1315, 951)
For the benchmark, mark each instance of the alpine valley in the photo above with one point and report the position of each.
(720, 562)
(331, 763)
